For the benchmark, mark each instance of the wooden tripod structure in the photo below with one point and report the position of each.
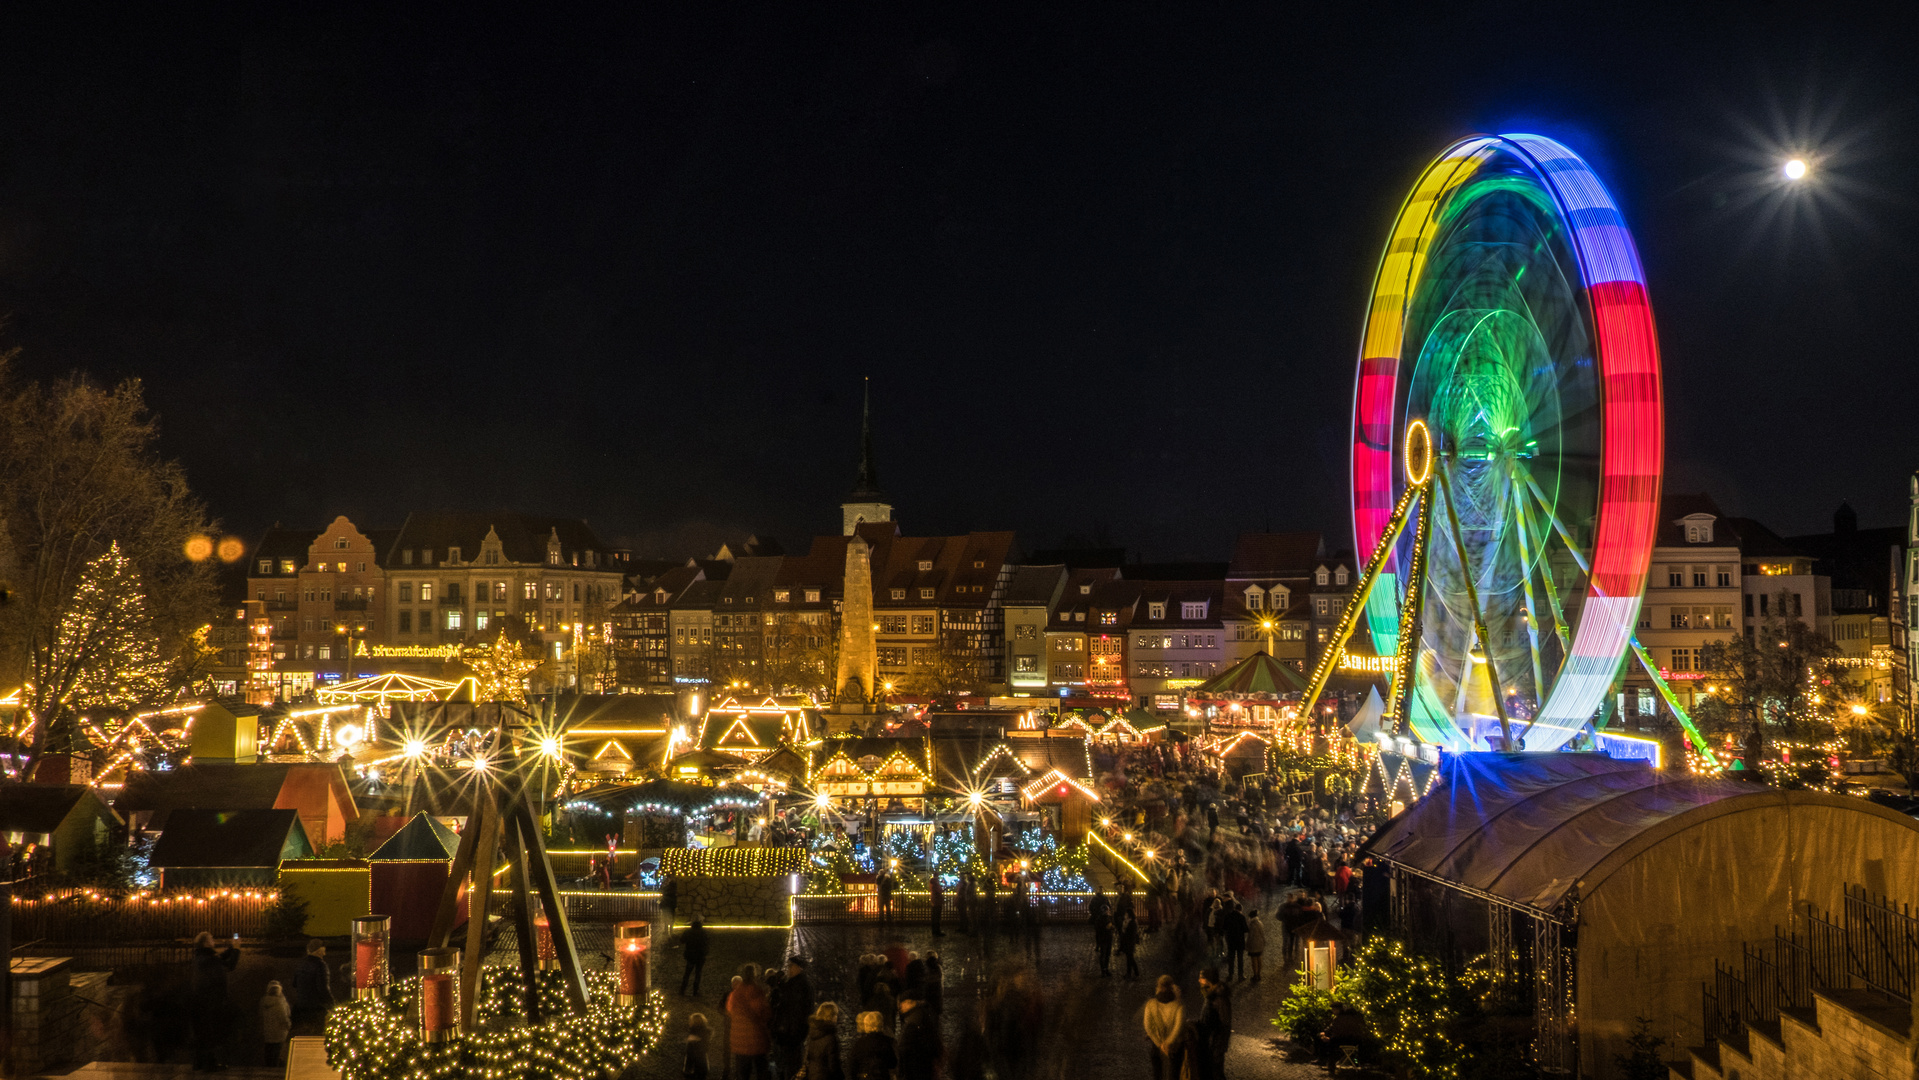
(501, 821)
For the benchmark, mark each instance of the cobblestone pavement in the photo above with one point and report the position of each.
(1091, 1025)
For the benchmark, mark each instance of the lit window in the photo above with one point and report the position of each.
(1108, 618)
(426, 591)
(480, 620)
(529, 590)
(1681, 618)
(455, 618)
(326, 652)
(287, 567)
(812, 596)
(782, 596)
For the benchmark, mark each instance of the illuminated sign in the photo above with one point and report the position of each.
(429, 652)
(1376, 665)
(1181, 684)
(1680, 676)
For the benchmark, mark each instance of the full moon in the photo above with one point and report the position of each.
(1795, 169)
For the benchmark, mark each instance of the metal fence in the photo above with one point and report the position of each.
(1874, 944)
(917, 907)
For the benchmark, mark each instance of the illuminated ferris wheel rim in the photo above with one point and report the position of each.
(1631, 430)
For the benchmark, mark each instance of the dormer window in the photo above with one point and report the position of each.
(553, 557)
(406, 557)
(1255, 599)
(979, 564)
(453, 555)
(1698, 528)
(925, 565)
(1156, 609)
(1321, 576)
(266, 566)
(1086, 589)
(1192, 609)
(926, 594)
(812, 596)
(1339, 576)
(782, 596)
(898, 594)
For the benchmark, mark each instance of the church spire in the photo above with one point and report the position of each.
(865, 503)
(869, 478)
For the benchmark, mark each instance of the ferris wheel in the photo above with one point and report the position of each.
(1507, 444)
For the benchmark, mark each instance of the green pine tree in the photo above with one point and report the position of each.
(109, 637)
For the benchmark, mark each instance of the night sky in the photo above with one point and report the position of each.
(1106, 264)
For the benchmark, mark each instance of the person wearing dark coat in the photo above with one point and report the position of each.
(938, 900)
(1129, 942)
(792, 1005)
(919, 1046)
(872, 1056)
(1103, 939)
(822, 1055)
(932, 986)
(693, 946)
(312, 990)
(883, 885)
(699, 1033)
(1215, 1024)
(1232, 926)
(207, 999)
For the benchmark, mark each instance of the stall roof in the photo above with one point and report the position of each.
(1529, 827)
(670, 795)
(1257, 674)
(423, 838)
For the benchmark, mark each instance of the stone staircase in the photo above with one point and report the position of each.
(1855, 1034)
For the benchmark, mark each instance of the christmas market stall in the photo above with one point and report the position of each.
(408, 873)
(1604, 890)
(735, 886)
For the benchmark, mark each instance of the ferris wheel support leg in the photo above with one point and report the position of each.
(1349, 619)
(1672, 702)
(1479, 615)
(1399, 709)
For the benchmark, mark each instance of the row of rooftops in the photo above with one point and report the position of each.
(428, 539)
(978, 570)
(1863, 564)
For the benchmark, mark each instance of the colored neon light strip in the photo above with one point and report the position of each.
(1632, 413)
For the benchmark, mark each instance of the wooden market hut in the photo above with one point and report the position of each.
(219, 848)
(1612, 891)
(67, 819)
(408, 873)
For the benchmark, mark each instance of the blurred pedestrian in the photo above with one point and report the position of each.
(312, 990)
(207, 999)
(938, 900)
(1129, 942)
(1255, 940)
(919, 1046)
(791, 1005)
(693, 947)
(276, 1023)
(1165, 1019)
(822, 1060)
(872, 1056)
(750, 1016)
(693, 1064)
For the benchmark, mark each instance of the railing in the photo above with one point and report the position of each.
(1875, 944)
(86, 918)
(917, 907)
(1883, 940)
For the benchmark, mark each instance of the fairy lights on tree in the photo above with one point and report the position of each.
(108, 639)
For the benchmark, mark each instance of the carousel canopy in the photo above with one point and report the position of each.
(1257, 675)
(392, 687)
(668, 797)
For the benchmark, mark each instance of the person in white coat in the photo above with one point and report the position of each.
(276, 1023)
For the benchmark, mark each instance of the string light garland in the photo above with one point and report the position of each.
(733, 861)
(379, 1038)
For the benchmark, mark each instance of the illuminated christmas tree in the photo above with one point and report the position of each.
(108, 637)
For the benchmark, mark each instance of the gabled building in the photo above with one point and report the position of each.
(1031, 596)
(1068, 631)
(1179, 636)
(71, 820)
(207, 848)
(642, 629)
(317, 792)
(1869, 616)
(1293, 581)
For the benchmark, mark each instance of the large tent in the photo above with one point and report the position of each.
(1653, 875)
(1259, 677)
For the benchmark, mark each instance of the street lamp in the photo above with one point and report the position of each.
(1795, 169)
